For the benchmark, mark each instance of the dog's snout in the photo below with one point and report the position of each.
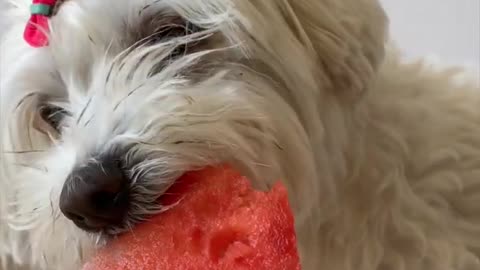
(95, 197)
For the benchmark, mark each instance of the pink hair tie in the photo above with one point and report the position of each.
(37, 29)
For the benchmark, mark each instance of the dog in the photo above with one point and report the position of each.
(381, 157)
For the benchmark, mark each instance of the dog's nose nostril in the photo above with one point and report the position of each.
(95, 197)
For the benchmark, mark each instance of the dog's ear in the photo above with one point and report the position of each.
(348, 37)
(340, 41)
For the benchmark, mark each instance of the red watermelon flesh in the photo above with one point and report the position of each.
(220, 223)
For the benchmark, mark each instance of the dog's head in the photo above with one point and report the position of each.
(131, 94)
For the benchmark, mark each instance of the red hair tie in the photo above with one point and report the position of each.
(37, 29)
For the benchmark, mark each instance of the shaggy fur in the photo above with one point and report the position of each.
(381, 158)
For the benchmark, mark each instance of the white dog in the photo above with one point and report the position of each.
(381, 158)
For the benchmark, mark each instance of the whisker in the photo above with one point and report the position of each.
(109, 73)
(88, 122)
(99, 238)
(84, 109)
(24, 99)
(103, 169)
(128, 95)
(29, 133)
(23, 152)
(80, 251)
(45, 261)
(130, 229)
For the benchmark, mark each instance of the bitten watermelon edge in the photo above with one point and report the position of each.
(220, 223)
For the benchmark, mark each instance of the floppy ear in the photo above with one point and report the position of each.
(341, 42)
(348, 37)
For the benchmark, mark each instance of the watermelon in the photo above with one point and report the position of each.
(219, 223)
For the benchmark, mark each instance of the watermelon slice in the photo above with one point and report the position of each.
(220, 223)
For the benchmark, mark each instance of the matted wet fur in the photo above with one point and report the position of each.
(381, 158)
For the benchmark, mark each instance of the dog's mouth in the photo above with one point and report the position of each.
(139, 209)
(97, 225)
(109, 195)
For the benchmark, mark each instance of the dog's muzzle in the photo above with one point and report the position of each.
(96, 196)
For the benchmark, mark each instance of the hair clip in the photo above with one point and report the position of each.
(36, 31)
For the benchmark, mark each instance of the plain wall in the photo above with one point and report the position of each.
(448, 30)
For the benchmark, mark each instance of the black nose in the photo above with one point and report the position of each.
(95, 197)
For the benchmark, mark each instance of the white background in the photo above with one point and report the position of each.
(448, 30)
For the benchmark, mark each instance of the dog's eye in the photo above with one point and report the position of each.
(168, 32)
(53, 116)
(174, 29)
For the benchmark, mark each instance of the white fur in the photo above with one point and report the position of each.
(381, 158)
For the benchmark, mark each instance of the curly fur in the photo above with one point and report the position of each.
(381, 158)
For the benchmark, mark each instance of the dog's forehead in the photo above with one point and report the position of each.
(85, 31)
(89, 29)
(122, 9)
(109, 19)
